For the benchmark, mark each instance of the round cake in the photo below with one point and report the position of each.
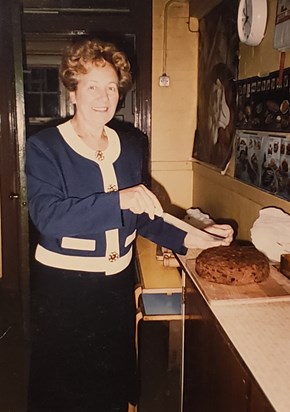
(232, 265)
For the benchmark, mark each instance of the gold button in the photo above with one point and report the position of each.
(113, 256)
(112, 188)
(99, 155)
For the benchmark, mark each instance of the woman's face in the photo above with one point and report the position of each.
(97, 95)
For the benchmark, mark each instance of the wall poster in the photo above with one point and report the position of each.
(217, 71)
(263, 160)
(262, 145)
(282, 26)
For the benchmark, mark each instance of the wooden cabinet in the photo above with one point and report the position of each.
(228, 380)
(215, 377)
(187, 361)
(159, 304)
(258, 400)
(196, 351)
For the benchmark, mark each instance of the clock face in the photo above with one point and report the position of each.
(251, 21)
(247, 18)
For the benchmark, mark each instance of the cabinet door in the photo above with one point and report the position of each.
(229, 382)
(197, 347)
(258, 400)
(215, 379)
(160, 366)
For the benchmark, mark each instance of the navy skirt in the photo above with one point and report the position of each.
(83, 341)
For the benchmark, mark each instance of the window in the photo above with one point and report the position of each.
(42, 92)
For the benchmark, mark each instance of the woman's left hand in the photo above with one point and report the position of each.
(211, 236)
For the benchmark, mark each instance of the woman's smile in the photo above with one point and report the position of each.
(97, 95)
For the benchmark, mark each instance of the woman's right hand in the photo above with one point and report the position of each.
(139, 200)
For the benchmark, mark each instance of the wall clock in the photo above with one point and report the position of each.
(251, 21)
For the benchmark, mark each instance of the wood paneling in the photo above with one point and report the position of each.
(87, 5)
(9, 179)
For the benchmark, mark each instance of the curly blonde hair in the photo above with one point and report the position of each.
(80, 56)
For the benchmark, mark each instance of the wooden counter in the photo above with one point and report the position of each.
(261, 334)
(258, 328)
(275, 287)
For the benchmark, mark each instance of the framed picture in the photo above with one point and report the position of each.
(213, 142)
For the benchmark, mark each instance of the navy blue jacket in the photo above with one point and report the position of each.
(74, 201)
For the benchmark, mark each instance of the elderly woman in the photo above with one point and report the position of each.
(87, 201)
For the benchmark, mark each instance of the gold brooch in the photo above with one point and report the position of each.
(113, 256)
(112, 188)
(99, 155)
